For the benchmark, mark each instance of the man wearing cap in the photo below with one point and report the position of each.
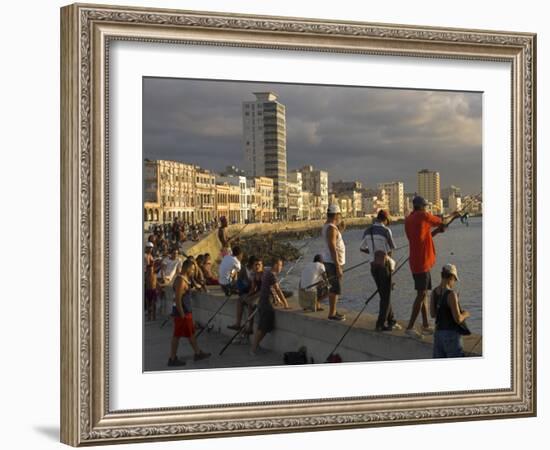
(334, 258)
(418, 228)
(449, 316)
(378, 242)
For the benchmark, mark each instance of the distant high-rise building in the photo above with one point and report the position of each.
(447, 192)
(295, 198)
(395, 197)
(429, 187)
(264, 141)
(316, 182)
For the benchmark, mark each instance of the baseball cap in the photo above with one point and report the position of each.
(451, 268)
(149, 245)
(419, 201)
(333, 209)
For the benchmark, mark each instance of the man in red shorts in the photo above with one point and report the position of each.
(418, 228)
(183, 316)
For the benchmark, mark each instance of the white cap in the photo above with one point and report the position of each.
(149, 245)
(451, 268)
(333, 209)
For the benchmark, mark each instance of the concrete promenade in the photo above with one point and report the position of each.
(294, 328)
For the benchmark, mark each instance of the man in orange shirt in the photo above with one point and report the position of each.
(418, 228)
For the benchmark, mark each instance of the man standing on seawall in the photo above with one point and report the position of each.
(334, 258)
(418, 228)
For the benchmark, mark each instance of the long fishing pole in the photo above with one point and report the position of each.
(367, 301)
(212, 317)
(251, 316)
(232, 238)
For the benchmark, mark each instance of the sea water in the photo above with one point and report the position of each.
(460, 245)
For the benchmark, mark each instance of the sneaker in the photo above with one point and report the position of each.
(383, 328)
(201, 355)
(427, 331)
(396, 326)
(252, 353)
(413, 333)
(339, 317)
(234, 327)
(175, 362)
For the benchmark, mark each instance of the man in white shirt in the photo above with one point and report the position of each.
(229, 269)
(312, 288)
(378, 242)
(334, 258)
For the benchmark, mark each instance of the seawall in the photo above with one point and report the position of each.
(294, 329)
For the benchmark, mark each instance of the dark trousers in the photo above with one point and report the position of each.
(382, 278)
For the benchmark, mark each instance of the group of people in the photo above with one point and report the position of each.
(257, 287)
(420, 227)
(176, 233)
(259, 291)
(171, 279)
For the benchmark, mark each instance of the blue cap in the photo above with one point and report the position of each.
(419, 201)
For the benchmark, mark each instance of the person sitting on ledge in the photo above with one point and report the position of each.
(248, 291)
(313, 284)
(211, 280)
(229, 270)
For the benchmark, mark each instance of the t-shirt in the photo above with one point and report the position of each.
(312, 273)
(228, 265)
(170, 267)
(340, 246)
(269, 279)
(381, 239)
(418, 228)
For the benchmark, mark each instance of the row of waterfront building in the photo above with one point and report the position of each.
(194, 194)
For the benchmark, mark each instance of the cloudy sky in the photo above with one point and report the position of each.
(355, 133)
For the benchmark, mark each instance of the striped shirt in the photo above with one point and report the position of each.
(377, 237)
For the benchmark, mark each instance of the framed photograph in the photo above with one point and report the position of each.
(275, 224)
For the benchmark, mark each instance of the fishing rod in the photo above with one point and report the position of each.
(251, 316)
(367, 301)
(333, 277)
(238, 233)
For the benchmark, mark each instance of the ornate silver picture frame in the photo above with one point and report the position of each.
(87, 32)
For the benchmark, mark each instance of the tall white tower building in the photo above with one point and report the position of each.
(396, 197)
(429, 187)
(264, 142)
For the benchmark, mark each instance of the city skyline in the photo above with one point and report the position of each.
(404, 131)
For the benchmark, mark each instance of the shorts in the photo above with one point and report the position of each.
(184, 326)
(151, 296)
(334, 282)
(266, 318)
(242, 287)
(422, 281)
(448, 344)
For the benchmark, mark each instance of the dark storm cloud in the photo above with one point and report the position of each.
(369, 134)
